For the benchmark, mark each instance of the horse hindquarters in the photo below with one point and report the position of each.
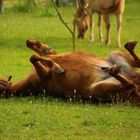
(116, 87)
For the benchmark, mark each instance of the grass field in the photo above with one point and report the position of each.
(46, 118)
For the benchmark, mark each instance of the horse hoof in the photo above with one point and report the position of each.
(118, 46)
(130, 45)
(101, 40)
(34, 58)
(91, 40)
(58, 70)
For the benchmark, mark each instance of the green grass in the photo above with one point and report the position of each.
(33, 118)
(30, 118)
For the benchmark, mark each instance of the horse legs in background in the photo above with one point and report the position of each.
(91, 27)
(119, 26)
(100, 27)
(107, 24)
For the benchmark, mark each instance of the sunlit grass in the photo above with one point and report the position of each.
(56, 119)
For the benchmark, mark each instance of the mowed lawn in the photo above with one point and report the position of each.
(33, 118)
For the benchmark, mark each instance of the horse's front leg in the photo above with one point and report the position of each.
(119, 26)
(44, 66)
(40, 48)
(91, 26)
(100, 27)
(107, 24)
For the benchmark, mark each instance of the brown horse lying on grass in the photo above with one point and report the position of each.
(79, 75)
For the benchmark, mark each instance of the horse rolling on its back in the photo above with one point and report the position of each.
(79, 75)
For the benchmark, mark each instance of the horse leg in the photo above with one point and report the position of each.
(100, 28)
(33, 80)
(114, 71)
(44, 66)
(114, 87)
(130, 46)
(107, 24)
(119, 25)
(91, 26)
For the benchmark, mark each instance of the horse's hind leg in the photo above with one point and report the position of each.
(107, 25)
(100, 27)
(126, 68)
(91, 27)
(114, 71)
(116, 86)
(130, 46)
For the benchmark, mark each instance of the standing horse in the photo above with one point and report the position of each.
(85, 10)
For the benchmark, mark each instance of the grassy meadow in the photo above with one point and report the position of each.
(33, 118)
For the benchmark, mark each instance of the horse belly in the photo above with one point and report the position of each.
(96, 5)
